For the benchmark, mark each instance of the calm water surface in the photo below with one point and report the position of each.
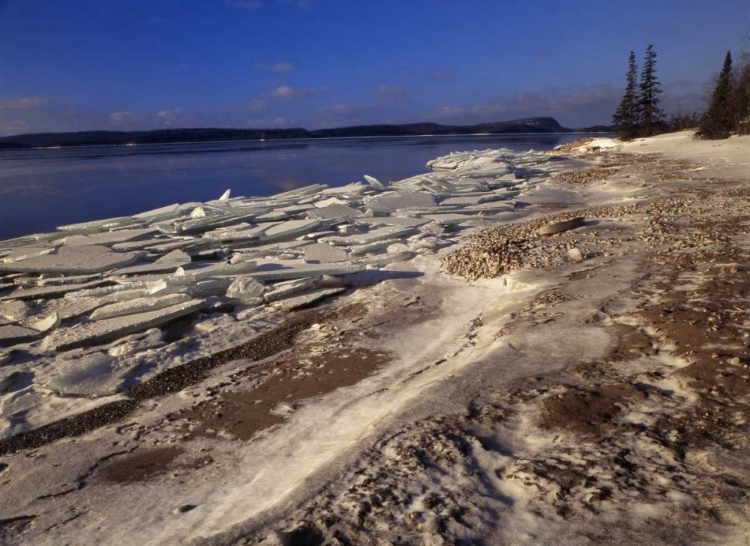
(42, 189)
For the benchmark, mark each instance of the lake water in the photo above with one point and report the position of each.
(42, 189)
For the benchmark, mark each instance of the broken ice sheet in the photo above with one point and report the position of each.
(103, 331)
(325, 253)
(396, 201)
(138, 305)
(77, 260)
(305, 300)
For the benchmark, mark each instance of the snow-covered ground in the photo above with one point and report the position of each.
(551, 403)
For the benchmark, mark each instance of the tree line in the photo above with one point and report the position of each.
(727, 112)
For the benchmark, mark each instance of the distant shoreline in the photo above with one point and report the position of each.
(197, 142)
(527, 126)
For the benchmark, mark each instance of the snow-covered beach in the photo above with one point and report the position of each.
(315, 367)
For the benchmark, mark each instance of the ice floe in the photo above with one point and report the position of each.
(111, 289)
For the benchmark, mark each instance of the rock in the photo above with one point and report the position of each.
(560, 227)
(186, 507)
(575, 255)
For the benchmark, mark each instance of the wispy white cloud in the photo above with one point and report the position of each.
(287, 92)
(271, 122)
(22, 103)
(168, 118)
(118, 118)
(278, 67)
(13, 127)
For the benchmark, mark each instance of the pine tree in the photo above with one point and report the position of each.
(718, 120)
(626, 115)
(740, 99)
(649, 112)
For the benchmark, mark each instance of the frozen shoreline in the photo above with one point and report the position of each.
(443, 343)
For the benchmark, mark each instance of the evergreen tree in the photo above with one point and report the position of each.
(650, 114)
(626, 115)
(719, 119)
(740, 99)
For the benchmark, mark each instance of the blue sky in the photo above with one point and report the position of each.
(101, 64)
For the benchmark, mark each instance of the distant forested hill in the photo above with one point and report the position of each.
(165, 136)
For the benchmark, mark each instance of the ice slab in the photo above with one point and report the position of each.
(75, 260)
(334, 212)
(290, 228)
(107, 290)
(99, 224)
(354, 188)
(463, 201)
(110, 238)
(161, 213)
(251, 234)
(325, 253)
(309, 270)
(152, 268)
(68, 279)
(13, 334)
(373, 247)
(138, 305)
(372, 236)
(392, 221)
(275, 216)
(243, 288)
(124, 295)
(288, 289)
(375, 183)
(206, 224)
(305, 300)
(52, 291)
(405, 200)
(330, 201)
(25, 252)
(96, 333)
(450, 219)
(77, 308)
(175, 257)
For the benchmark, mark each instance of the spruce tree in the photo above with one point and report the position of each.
(650, 114)
(740, 99)
(718, 120)
(626, 115)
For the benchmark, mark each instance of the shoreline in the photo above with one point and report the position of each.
(187, 143)
(491, 392)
